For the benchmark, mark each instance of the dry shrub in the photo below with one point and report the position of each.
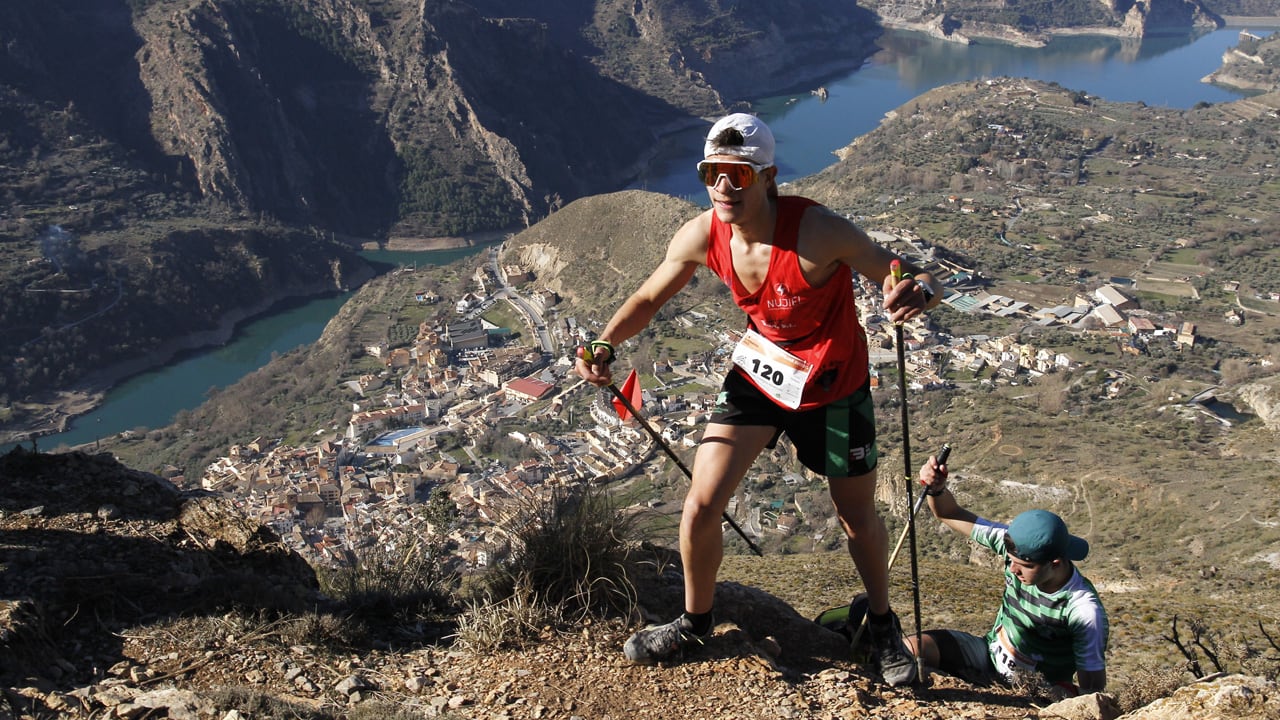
(404, 586)
(323, 629)
(567, 558)
(1148, 684)
(509, 622)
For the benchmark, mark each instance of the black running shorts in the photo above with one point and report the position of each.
(836, 440)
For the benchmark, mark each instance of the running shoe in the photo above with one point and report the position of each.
(661, 643)
(897, 665)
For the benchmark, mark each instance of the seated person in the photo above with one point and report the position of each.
(1050, 621)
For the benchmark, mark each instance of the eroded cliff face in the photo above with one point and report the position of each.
(1151, 17)
(433, 116)
(322, 113)
(963, 22)
(269, 114)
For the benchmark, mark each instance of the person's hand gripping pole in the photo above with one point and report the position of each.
(597, 356)
(905, 295)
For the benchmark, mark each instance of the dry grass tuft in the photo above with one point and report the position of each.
(1147, 684)
(568, 558)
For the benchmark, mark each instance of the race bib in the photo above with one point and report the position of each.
(777, 372)
(1007, 659)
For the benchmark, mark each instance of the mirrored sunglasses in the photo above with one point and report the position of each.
(741, 175)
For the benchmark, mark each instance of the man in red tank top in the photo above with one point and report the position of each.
(801, 368)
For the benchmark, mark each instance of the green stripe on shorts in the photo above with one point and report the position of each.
(837, 445)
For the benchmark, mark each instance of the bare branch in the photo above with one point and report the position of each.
(1200, 634)
(1193, 661)
(1270, 640)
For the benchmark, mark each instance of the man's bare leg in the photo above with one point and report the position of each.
(868, 540)
(725, 455)
(727, 451)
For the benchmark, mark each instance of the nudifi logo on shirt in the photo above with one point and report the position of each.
(783, 299)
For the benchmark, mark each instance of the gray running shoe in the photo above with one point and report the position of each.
(660, 643)
(897, 665)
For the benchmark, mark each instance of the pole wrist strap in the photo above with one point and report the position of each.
(595, 345)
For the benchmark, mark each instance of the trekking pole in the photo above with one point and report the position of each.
(586, 354)
(896, 268)
(676, 458)
(942, 460)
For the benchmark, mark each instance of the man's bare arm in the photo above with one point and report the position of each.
(685, 252)
(841, 240)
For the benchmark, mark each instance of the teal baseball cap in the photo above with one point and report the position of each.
(1038, 536)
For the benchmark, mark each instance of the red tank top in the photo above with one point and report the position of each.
(817, 324)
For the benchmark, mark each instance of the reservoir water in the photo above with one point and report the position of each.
(152, 399)
(1161, 71)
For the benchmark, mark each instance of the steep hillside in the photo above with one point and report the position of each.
(406, 118)
(596, 251)
(435, 117)
(126, 597)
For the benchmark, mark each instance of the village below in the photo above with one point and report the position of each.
(414, 427)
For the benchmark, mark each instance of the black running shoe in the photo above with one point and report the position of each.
(897, 665)
(660, 643)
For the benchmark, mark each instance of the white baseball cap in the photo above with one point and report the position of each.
(757, 139)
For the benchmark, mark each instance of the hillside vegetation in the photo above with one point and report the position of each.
(1049, 189)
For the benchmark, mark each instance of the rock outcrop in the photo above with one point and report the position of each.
(1152, 17)
(1263, 398)
(92, 547)
(1253, 64)
(1229, 697)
